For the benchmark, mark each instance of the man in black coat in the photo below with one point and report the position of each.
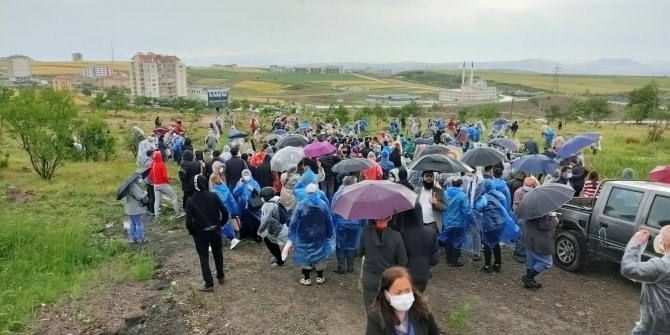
(328, 183)
(531, 147)
(234, 167)
(189, 169)
(205, 214)
(421, 246)
(516, 183)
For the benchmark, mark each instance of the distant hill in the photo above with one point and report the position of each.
(60, 68)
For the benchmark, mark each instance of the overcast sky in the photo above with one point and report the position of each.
(261, 32)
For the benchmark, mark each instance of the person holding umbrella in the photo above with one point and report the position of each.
(134, 207)
(311, 235)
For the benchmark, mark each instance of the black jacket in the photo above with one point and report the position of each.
(234, 167)
(421, 326)
(208, 166)
(327, 163)
(204, 210)
(189, 169)
(394, 157)
(422, 251)
(514, 185)
(264, 175)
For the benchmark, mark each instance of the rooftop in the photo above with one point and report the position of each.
(151, 57)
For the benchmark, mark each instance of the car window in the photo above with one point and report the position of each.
(659, 215)
(623, 204)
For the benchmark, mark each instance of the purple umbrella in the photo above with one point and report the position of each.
(317, 149)
(374, 199)
(576, 143)
(537, 164)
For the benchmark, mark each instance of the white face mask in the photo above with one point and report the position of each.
(658, 245)
(569, 175)
(401, 302)
(246, 178)
(527, 188)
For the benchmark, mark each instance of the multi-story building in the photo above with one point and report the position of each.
(97, 71)
(63, 83)
(308, 69)
(392, 99)
(472, 92)
(117, 79)
(210, 95)
(157, 76)
(77, 57)
(18, 68)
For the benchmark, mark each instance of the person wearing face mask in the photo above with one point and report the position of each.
(383, 248)
(529, 183)
(654, 274)
(564, 177)
(538, 239)
(430, 198)
(399, 308)
(245, 189)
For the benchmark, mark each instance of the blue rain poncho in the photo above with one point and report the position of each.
(501, 186)
(548, 137)
(242, 195)
(458, 215)
(395, 128)
(312, 231)
(347, 232)
(223, 192)
(497, 224)
(308, 177)
(474, 134)
(385, 163)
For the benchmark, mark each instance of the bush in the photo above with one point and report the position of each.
(132, 141)
(96, 140)
(4, 160)
(655, 132)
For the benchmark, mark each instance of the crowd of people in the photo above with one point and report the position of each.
(237, 194)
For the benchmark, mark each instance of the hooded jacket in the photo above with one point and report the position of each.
(158, 174)
(385, 163)
(189, 169)
(264, 173)
(204, 211)
(312, 231)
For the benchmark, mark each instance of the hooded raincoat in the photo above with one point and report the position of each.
(312, 231)
(348, 232)
(248, 216)
(271, 226)
(309, 177)
(386, 164)
(458, 215)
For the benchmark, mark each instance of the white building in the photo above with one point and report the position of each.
(210, 95)
(77, 57)
(395, 100)
(19, 68)
(474, 91)
(97, 71)
(157, 76)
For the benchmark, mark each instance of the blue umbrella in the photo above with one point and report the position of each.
(280, 131)
(576, 143)
(238, 135)
(536, 164)
(423, 141)
(500, 122)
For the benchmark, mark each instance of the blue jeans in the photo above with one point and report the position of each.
(136, 229)
(538, 262)
(345, 258)
(520, 249)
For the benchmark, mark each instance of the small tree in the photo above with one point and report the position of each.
(554, 113)
(463, 114)
(342, 114)
(4, 160)
(647, 99)
(116, 99)
(488, 112)
(234, 104)
(245, 104)
(40, 122)
(635, 112)
(380, 113)
(98, 102)
(5, 96)
(132, 142)
(363, 113)
(96, 140)
(597, 109)
(86, 92)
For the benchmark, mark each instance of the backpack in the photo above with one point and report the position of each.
(284, 217)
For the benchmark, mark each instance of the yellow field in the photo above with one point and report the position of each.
(261, 86)
(58, 68)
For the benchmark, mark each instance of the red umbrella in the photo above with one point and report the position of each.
(160, 131)
(660, 174)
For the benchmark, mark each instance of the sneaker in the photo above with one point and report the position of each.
(497, 268)
(305, 282)
(207, 289)
(180, 215)
(457, 264)
(320, 280)
(519, 258)
(234, 243)
(530, 283)
(273, 259)
(476, 258)
(275, 264)
(487, 269)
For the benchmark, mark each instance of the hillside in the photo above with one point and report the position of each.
(59, 68)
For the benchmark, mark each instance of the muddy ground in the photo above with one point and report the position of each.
(259, 299)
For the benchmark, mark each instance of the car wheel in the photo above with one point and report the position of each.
(569, 251)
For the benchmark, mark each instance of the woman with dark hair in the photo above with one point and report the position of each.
(264, 174)
(399, 308)
(591, 186)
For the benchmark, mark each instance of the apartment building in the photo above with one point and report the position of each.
(157, 76)
(63, 83)
(117, 79)
(210, 95)
(97, 71)
(18, 68)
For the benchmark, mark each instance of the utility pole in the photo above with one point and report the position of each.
(554, 85)
(112, 45)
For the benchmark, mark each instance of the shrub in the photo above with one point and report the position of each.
(4, 160)
(96, 140)
(655, 132)
(133, 139)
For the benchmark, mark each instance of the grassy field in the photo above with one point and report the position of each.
(574, 84)
(59, 68)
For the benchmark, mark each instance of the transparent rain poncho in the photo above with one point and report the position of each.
(654, 275)
(312, 231)
(458, 215)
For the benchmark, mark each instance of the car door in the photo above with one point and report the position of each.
(655, 218)
(617, 220)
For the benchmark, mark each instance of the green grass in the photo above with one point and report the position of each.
(457, 319)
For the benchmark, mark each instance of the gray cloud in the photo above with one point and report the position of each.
(342, 30)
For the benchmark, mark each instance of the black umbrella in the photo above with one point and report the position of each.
(123, 189)
(435, 149)
(352, 165)
(272, 137)
(292, 140)
(439, 163)
(543, 200)
(238, 135)
(483, 157)
(505, 143)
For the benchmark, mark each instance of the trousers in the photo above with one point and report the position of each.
(165, 189)
(203, 241)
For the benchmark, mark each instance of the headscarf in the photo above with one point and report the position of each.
(628, 174)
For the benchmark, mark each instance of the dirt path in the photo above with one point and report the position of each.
(259, 299)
